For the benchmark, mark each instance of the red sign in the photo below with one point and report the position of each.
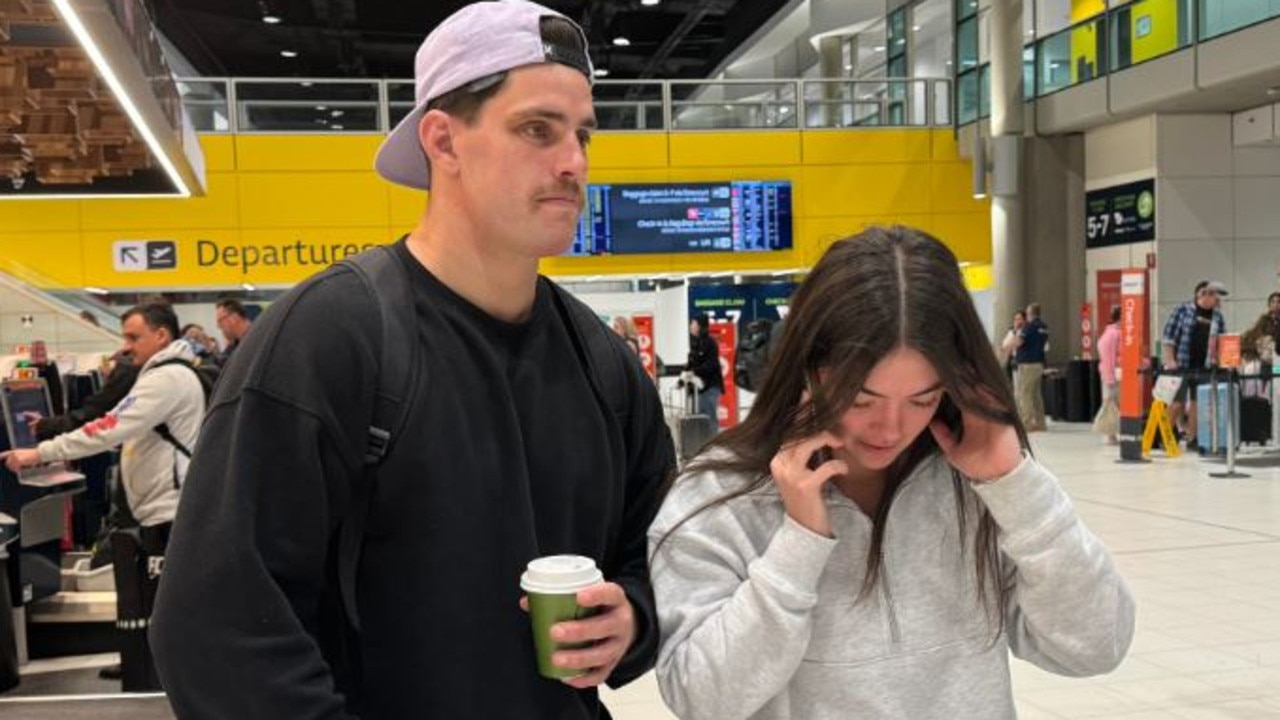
(644, 326)
(1086, 332)
(1133, 341)
(725, 333)
(1229, 351)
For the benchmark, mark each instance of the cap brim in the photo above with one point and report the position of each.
(401, 158)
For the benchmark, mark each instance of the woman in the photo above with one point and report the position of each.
(1107, 421)
(875, 539)
(1009, 345)
(626, 329)
(703, 367)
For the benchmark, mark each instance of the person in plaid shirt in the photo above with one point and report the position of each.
(1189, 343)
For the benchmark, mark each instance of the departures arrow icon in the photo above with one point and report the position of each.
(129, 255)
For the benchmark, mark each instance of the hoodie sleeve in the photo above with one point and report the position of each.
(148, 404)
(1070, 612)
(245, 570)
(735, 626)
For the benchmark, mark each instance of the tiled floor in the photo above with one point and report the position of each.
(1202, 556)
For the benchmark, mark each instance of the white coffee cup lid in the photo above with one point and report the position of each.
(560, 574)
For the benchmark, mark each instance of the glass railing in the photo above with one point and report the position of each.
(1219, 17)
(1075, 55)
(1147, 29)
(297, 105)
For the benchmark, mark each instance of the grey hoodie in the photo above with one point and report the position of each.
(760, 618)
(152, 469)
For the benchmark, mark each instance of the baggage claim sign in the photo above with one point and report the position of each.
(181, 262)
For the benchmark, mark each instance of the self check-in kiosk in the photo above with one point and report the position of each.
(36, 497)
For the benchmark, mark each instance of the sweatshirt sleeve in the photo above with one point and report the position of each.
(147, 405)
(651, 461)
(245, 570)
(1070, 612)
(734, 627)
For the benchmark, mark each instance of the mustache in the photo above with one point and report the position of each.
(569, 189)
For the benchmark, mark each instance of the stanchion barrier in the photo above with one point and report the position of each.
(1232, 430)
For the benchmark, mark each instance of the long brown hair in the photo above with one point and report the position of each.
(868, 295)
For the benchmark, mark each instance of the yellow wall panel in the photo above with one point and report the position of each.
(290, 200)
(406, 206)
(869, 146)
(39, 216)
(282, 153)
(46, 260)
(945, 147)
(967, 234)
(218, 208)
(1160, 19)
(219, 153)
(313, 200)
(951, 189)
(628, 150)
(865, 190)
(742, 149)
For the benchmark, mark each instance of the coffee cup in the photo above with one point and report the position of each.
(552, 584)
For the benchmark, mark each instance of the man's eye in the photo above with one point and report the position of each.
(537, 131)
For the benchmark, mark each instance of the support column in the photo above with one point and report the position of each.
(1007, 242)
(832, 67)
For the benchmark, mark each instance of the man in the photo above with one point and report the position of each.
(510, 450)
(234, 323)
(152, 467)
(1033, 341)
(1189, 345)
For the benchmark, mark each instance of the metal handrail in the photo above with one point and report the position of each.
(208, 94)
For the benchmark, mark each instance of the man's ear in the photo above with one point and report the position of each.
(435, 134)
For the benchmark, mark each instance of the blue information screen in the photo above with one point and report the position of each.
(745, 216)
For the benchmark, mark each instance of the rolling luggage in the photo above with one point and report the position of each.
(692, 430)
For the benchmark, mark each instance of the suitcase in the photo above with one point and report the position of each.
(693, 430)
(1255, 420)
(1202, 416)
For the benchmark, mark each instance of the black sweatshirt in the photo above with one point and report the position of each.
(508, 455)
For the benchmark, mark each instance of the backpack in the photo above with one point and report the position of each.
(753, 354)
(207, 374)
(388, 280)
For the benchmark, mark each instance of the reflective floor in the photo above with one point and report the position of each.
(1202, 556)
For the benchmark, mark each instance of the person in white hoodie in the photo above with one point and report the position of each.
(169, 394)
(875, 539)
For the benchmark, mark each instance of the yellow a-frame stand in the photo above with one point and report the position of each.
(1159, 418)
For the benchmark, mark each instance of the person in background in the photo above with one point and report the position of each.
(1009, 345)
(202, 344)
(1107, 421)
(118, 382)
(702, 369)
(153, 466)
(234, 322)
(1259, 342)
(1188, 346)
(48, 371)
(875, 539)
(1033, 343)
(531, 430)
(625, 327)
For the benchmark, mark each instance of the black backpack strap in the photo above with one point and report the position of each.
(388, 281)
(163, 428)
(594, 344)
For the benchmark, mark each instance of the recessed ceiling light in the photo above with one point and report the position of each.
(288, 54)
(337, 113)
(602, 72)
(915, 28)
(621, 41)
(848, 67)
(322, 108)
(271, 19)
(336, 127)
(879, 48)
(650, 3)
(306, 83)
(784, 109)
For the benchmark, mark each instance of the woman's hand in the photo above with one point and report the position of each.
(801, 486)
(989, 450)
